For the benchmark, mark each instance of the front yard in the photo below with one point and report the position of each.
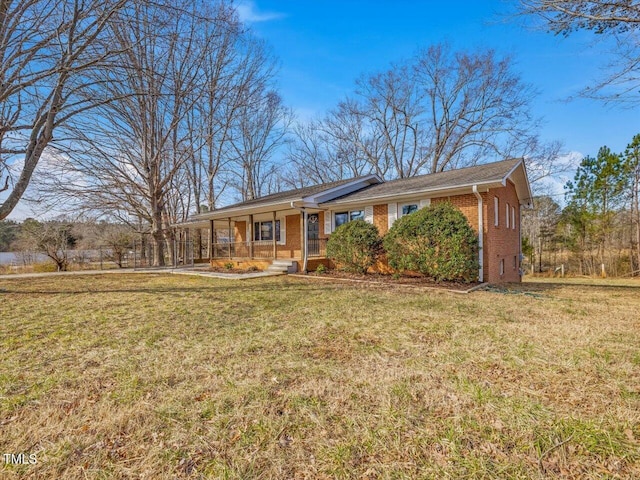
(169, 376)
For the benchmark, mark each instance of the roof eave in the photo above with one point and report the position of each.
(497, 182)
(525, 198)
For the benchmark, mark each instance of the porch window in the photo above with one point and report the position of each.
(223, 235)
(344, 217)
(408, 208)
(264, 230)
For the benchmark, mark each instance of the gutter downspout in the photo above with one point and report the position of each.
(303, 247)
(480, 233)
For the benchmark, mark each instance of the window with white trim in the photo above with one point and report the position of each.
(513, 217)
(502, 267)
(407, 209)
(343, 217)
(496, 211)
(506, 217)
(264, 230)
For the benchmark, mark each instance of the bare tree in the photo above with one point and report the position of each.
(235, 63)
(476, 106)
(390, 105)
(316, 155)
(46, 50)
(619, 19)
(439, 110)
(129, 155)
(53, 238)
(260, 128)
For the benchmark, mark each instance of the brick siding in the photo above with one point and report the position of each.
(381, 218)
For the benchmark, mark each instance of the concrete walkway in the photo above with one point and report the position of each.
(228, 276)
(198, 271)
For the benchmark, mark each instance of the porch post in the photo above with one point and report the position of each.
(234, 236)
(211, 232)
(275, 245)
(305, 240)
(251, 235)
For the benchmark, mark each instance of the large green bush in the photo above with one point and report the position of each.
(436, 241)
(355, 246)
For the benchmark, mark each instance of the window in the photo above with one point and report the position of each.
(344, 217)
(506, 217)
(502, 267)
(264, 230)
(496, 210)
(356, 215)
(408, 208)
(513, 217)
(515, 262)
(222, 235)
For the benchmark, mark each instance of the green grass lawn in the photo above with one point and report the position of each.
(169, 376)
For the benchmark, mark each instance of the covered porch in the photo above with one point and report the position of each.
(261, 237)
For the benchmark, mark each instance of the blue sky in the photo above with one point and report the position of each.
(324, 46)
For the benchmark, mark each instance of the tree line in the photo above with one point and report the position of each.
(600, 223)
(61, 238)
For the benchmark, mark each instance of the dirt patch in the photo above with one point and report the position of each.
(393, 280)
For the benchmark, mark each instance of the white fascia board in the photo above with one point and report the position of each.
(247, 210)
(510, 172)
(431, 193)
(191, 224)
(525, 198)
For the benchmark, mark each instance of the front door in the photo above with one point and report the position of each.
(313, 234)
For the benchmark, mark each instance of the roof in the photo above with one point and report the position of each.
(307, 196)
(289, 195)
(489, 173)
(370, 187)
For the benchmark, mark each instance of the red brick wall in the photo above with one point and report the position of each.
(502, 243)
(381, 218)
(291, 249)
(468, 204)
(322, 234)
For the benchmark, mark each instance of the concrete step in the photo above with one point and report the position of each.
(284, 266)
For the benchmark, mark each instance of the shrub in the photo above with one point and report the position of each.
(355, 246)
(320, 269)
(436, 241)
(229, 265)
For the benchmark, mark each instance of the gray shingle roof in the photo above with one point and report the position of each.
(463, 177)
(479, 174)
(285, 196)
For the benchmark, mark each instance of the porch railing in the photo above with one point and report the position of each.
(317, 247)
(263, 249)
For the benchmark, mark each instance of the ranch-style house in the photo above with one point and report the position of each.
(290, 229)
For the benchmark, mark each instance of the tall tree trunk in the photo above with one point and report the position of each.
(157, 236)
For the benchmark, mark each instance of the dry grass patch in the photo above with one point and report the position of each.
(160, 376)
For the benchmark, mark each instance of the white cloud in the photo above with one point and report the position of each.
(553, 185)
(248, 12)
(28, 206)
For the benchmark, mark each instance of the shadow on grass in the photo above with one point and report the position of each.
(552, 286)
(231, 289)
